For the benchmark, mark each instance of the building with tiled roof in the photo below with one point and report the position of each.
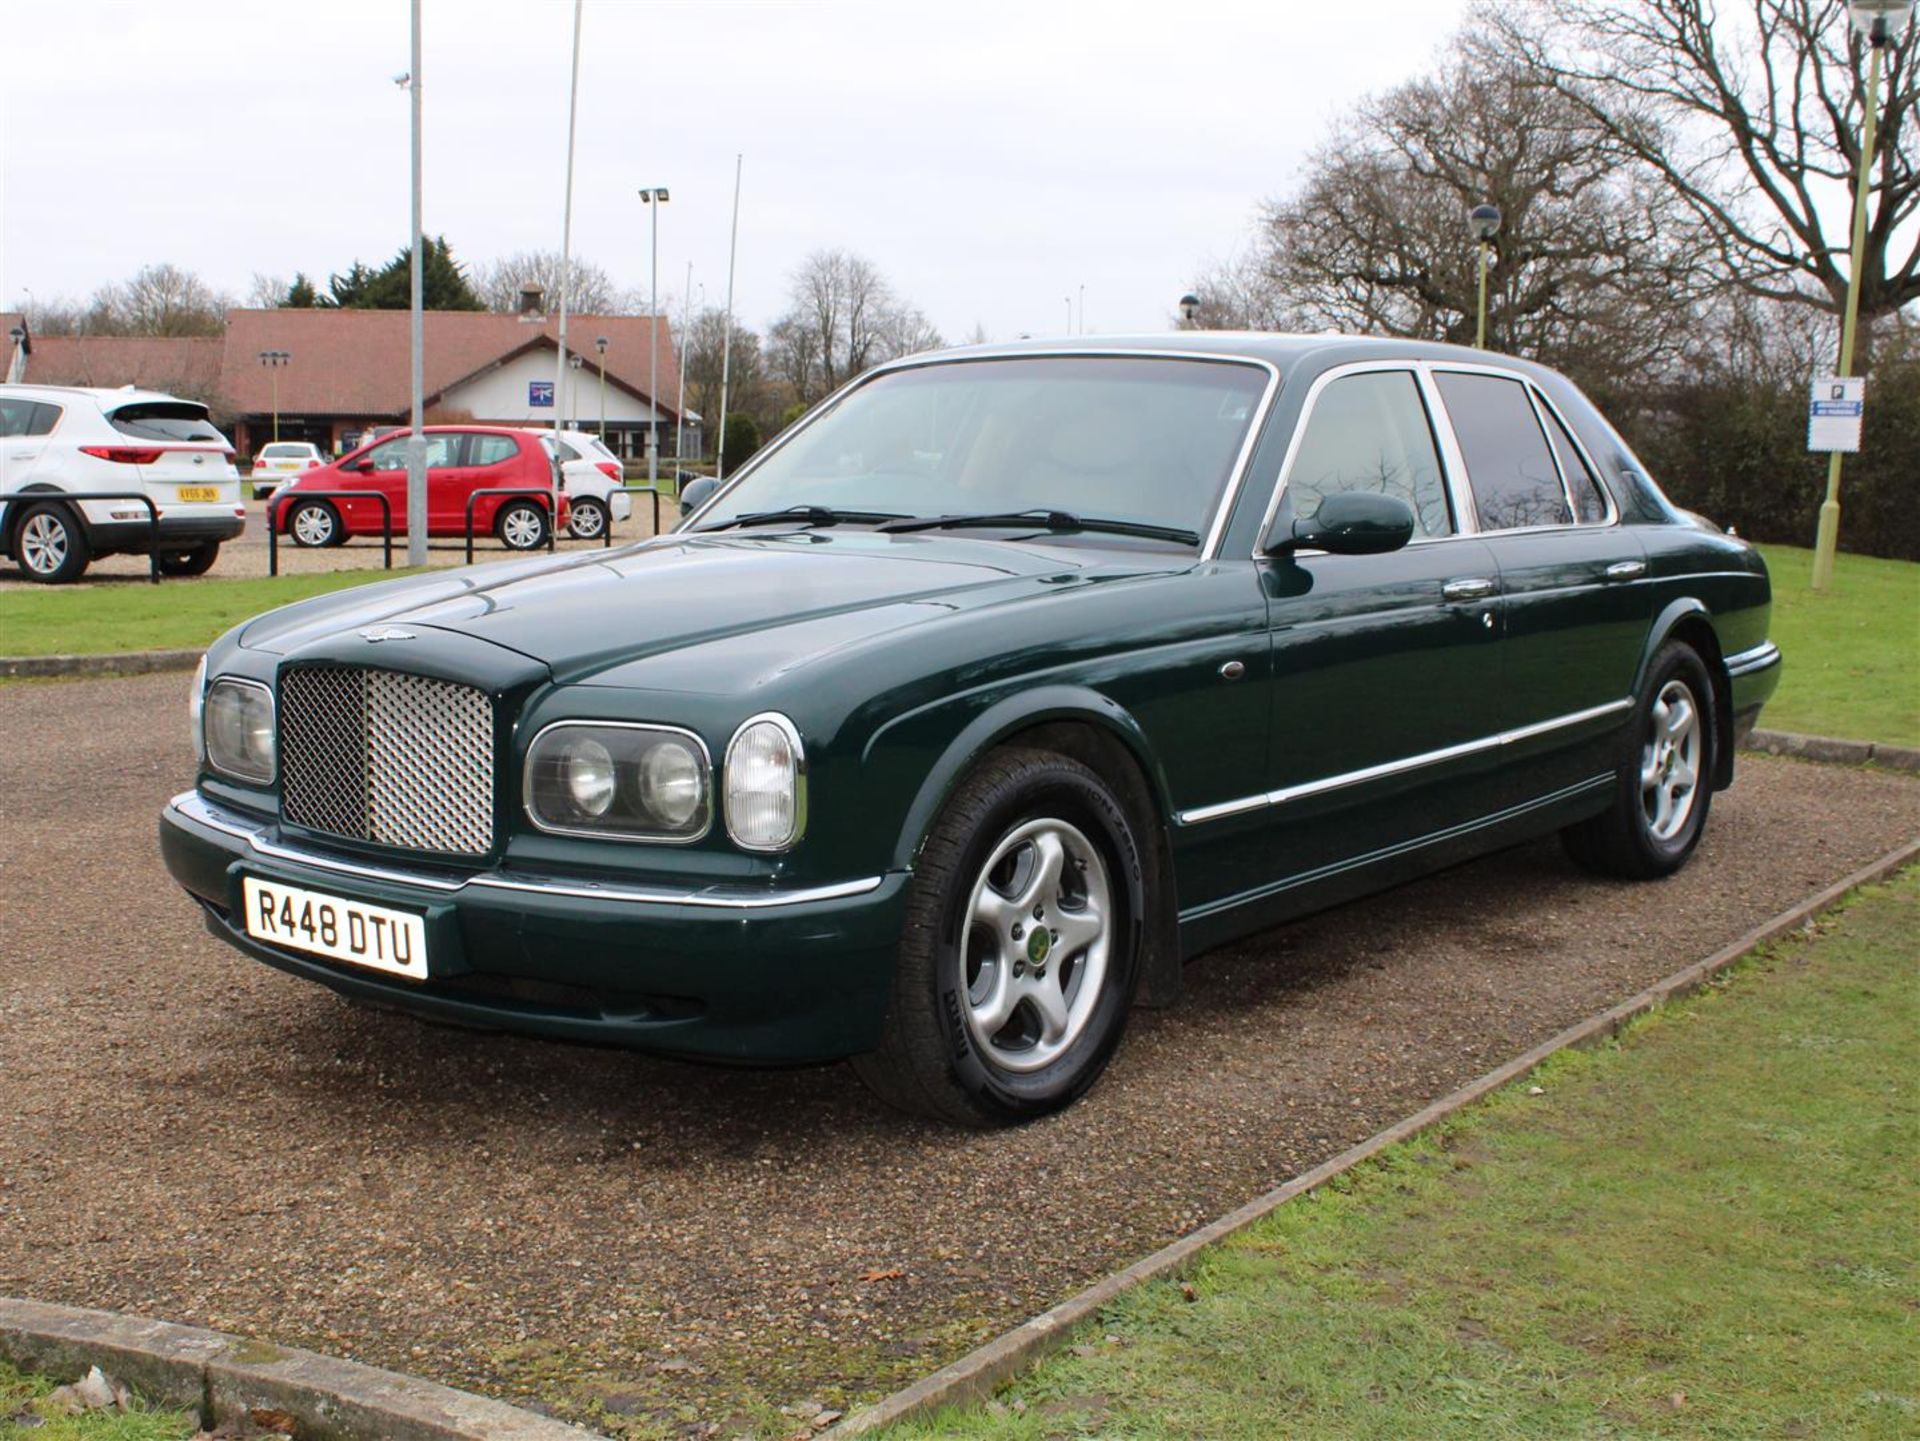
(347, 371)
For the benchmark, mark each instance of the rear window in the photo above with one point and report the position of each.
(490, 449)
(284, 449)
(165, 420)
(27, 417)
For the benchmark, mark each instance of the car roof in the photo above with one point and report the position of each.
(1285, 351)
(103, 395)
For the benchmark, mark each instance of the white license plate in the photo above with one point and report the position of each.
(340, 929)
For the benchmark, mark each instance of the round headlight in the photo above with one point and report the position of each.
(588, 769)
(670, 783)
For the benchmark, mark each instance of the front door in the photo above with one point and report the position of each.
(1385, 668)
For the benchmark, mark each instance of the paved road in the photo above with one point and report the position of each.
(190, 1135)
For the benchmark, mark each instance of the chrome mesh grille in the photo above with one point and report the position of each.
(383, 756)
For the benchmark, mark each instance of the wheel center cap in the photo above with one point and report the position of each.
(1039, 942)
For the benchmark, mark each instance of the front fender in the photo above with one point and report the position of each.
(990, 725)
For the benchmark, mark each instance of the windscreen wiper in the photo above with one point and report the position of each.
(804, 515)
(1057, 521)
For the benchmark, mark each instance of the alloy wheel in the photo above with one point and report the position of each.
(1670, 761)
(43, 543)
(1037, 943)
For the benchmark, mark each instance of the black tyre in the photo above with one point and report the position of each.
(1664, 787)
(197, 561)
(521, 525)
(315, 524)
(51, 544)
(590, 519)
(1021, 949)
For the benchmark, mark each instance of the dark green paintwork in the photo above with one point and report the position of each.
(902, 658)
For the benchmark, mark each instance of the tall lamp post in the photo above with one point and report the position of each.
(574, 362)
(1189, 308)
(1878, 21)
(1483, 223)
(600, 345)
(655, 198)
(273, 360)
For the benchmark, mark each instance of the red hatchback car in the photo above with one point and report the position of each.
(461, 459)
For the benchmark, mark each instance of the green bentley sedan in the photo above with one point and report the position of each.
(1004, 683)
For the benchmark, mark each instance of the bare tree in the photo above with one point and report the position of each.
(1749, 113)
(701, 351)
(1594, 271)
(591, 291)
(158, 300)
(267, 292)
(843, 319)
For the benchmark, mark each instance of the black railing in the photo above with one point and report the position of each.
(274, 504)
(652, 490)
(71, 501)
(537, 493)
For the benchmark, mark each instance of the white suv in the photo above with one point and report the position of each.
(69, 442)
(592, 477)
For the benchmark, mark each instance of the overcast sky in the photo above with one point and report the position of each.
(991, 158)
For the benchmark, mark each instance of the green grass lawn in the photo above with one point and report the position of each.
(21, 1416)
(1707, 1229)
(1852, 654)
(173, 615)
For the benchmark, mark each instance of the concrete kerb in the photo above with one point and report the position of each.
(129, 662)
(224, 1378)
(975, 1376)
(1835, 752)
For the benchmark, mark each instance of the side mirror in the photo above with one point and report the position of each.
(1351, 523)
(364, 465)
(696, 493)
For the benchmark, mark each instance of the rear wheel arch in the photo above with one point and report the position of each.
(1689, 621)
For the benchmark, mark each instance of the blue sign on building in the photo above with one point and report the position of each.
(540, 392)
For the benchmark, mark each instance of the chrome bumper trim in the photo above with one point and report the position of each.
(193, 806)
(1280, 797)
(1749, 661)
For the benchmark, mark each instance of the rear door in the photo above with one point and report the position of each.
(489, 460)
(24, 427)
(1577, 608)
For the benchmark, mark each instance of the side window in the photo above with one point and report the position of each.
(567, 452)
(16, 418)
(1370, 432)
(1509, 466)
(490, 449)
(1589, 501)
(391, 456)
(45, 418)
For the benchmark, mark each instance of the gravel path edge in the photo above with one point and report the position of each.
(974, 1376)
(226, 1378)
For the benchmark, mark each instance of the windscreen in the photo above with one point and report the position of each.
(165, 420)
(1146, 440)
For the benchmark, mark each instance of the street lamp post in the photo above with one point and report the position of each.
(574, 362)
(1189, 308)
(680, 405)
(1483, 223)
(1877, 21)
(655, 197)
(273, 360)
(600, 344)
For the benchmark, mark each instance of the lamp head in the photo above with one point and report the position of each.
(1878, 21)
(600, 344)
(1189, 306)
(1483, 222)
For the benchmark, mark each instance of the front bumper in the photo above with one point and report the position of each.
(747, 974)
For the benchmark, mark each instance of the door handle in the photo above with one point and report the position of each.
(1471, 588)
(1626, 570)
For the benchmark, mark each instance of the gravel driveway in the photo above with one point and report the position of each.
(653, 1246)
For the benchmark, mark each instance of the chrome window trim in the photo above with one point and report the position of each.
(1210, 537)
(1758, 658)
(273, 709)
(1452, 472)
(792, 733)
(192, 806)
(1465, 367)
(1542, 401)
(627, 837)
(1199, 815)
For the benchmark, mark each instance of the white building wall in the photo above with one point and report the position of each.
(502, 395)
